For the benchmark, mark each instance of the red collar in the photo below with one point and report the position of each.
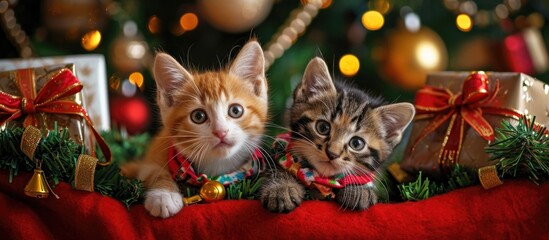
(298, 166)
(181, 169)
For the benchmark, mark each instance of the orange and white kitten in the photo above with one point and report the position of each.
(215, 119)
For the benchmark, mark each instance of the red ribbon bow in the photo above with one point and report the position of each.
(466, 107)
(50, 99)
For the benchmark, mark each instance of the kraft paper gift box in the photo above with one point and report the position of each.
(90, 69)
(457, 112)
(50, 98)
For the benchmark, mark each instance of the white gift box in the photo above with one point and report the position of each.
(92, 73)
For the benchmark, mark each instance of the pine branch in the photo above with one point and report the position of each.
(417, 190)
(57, 151)
(125, 148)
(10, 154)
(244, 189)
(460, 177)
(59, 154)
(423, 188)
(109, 182)
(521, 151)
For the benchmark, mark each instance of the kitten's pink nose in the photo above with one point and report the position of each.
(220, 133)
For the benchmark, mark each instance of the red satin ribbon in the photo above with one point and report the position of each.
(50, 99)
(464, 108)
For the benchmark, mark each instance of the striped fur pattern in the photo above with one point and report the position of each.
(338, 129)
(215, 119)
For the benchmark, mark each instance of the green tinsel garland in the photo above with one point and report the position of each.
(520, 151)
(59, 154)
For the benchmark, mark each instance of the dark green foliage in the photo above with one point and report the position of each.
(57, 151)
(10, 155)
(460, 177)
(109, 182)
(59, 154)
(418, 190)
(245, 189)
(125, 148)
(423, 187)
(521, 151)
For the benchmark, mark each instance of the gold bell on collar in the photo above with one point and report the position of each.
(37, 185)
(211, 191)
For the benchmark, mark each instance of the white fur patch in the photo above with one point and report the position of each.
(163, 203)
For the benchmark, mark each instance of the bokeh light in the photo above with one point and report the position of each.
(128, 89)
(91, 40)
(373, 20)
(188, 21)
(464, 22)
(412, 22)
(349, 65)
(325, 4)
(514, 4)
(136, 49)
(427, 55)
(468, 7)
(136, 78)
(154, 24)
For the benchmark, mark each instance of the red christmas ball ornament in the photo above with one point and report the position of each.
(131, 113)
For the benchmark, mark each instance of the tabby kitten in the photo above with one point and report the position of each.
(340, 136)
(213, 120)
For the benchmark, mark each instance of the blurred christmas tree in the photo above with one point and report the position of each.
(385, 46)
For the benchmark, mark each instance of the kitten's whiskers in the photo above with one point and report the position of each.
(289, 130)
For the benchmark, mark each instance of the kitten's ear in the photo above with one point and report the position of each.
(395, 118)
(249, 65)
(169, 76)
(316, 82)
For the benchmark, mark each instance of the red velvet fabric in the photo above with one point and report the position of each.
(517, 210)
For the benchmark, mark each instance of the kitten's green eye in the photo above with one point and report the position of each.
(198, 116)
(357, 143)
(236, 110)
(322, 127)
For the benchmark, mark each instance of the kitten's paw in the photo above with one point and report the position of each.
(282, 198)
(163, 203)
(356, 197)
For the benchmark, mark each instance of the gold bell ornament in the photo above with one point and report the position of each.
(211, 191)
(37, 185)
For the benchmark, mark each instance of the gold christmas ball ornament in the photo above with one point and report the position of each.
(212, 191)
(407, 56)
(130, 54)
(234, 16)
